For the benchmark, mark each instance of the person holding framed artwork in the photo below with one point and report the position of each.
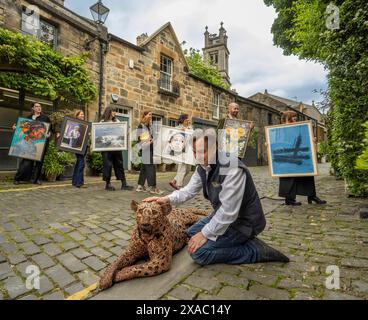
(113, 158)
(148, 168)
(290, 187)
(184, 124)
(78, 173)
(26, 166)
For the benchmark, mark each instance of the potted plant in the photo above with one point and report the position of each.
(94, 161)
(67, 160)
(52, 167)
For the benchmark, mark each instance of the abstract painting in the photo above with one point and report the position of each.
(291, 150)
(234, 136)
(29, 139)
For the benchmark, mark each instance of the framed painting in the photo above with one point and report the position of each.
(74, 135)
(291, 150)
(29, 139)
(174, 145)
(234, 136)
(109, 136)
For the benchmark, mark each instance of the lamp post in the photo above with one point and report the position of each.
(99, 14)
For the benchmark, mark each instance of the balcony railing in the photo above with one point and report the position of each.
(168, 86)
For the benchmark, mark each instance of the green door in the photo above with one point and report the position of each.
(125, 152)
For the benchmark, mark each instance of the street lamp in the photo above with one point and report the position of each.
(99, 12)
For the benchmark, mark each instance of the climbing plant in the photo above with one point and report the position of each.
(304, 28)
(204, 69)
(30, 65)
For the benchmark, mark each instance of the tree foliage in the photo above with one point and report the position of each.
(301, 29)
(205, 70)
(33, 66)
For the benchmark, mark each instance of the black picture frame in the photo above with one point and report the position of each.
(77, 145)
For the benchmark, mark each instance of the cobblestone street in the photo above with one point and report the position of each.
(72, 234)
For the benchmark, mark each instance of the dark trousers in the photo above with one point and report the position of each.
(289, 188)
(232, 247)
(25, 170)
(147, 172)
(78, 174)
(113, 159)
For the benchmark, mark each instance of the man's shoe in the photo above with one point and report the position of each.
(267, 253)
(316, 200)
(126, 187)
(173, 185)
(140, 188)
(156, 191)
(109, 187)
(289, 202)
(16, 182)
(37, 182)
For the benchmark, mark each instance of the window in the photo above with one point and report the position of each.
(156, 125)
(214, 57)
(269, 119)
(35, 26)
(166, 73)
(216, 105)
(173, 123)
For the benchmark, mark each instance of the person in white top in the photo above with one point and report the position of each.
(228, 234)
(183, 168)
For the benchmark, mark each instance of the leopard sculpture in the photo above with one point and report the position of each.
(160, 232)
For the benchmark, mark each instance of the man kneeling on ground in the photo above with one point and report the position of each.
(228, 234)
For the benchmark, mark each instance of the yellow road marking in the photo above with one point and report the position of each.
(83, 293)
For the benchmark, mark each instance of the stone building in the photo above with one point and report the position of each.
(305, 111)
(152, 74)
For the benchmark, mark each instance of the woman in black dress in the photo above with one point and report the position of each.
(113, 158)
(290, 187)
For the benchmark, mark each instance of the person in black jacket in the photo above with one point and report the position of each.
(113, 158)
(290, 187)
(25, 170)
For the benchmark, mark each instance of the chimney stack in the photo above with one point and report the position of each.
(141, 38)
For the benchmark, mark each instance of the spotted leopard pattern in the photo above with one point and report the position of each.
(160, 232)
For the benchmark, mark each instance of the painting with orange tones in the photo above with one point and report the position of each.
(29, 139)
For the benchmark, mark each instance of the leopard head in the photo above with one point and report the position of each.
(150, 216)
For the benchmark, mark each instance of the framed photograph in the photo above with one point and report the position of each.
(291, 150)
(109, 136)
(234, 136)
(29, 139)
(174, 145)
(74, 135)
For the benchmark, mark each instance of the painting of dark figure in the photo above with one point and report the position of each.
(291, 150)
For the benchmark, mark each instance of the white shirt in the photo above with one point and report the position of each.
(231, 197)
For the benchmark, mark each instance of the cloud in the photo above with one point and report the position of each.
(255, 64)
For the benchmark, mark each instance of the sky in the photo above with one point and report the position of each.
(255, 63)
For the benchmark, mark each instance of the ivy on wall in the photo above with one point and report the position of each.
(204, 70)
(30, 65)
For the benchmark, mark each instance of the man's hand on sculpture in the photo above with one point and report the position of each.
(196, 242)
(159, 200)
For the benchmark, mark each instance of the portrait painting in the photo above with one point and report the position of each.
(74, 135)
(234, 136)
(29, 139)
(291, 150)
(109, 136)
(175, 145)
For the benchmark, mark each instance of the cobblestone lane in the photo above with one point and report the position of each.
(71, 235)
